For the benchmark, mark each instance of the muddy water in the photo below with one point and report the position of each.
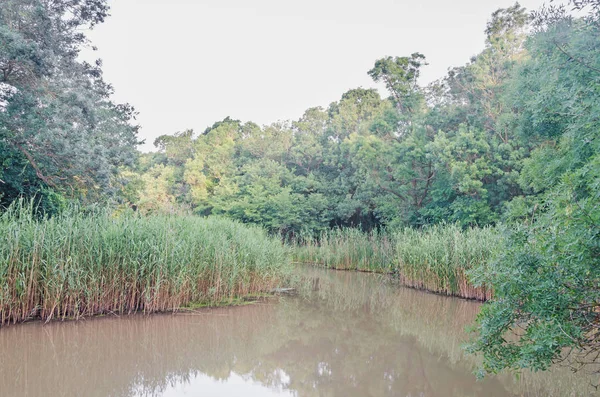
(348, 334)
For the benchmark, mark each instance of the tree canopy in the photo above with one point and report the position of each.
(423, 155)
(60, 134)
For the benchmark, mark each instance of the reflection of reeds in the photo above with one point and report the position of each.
(435, 259)
(79, 264)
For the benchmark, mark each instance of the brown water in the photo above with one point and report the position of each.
(353, 334)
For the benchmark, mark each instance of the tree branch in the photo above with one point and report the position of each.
(35, 166)
(578, 60)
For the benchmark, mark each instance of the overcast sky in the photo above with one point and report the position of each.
(188, 63)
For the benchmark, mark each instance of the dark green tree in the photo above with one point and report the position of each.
(59, 130)
(546, 283)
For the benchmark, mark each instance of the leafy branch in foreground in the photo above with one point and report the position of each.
(546, 306)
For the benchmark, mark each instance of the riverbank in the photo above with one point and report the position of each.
(85, 263)
(436, 259)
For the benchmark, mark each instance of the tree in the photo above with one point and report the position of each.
(269, 194)
(400, 75)
(57, 121)
(546, 282)
(478, 148)
(396, 157)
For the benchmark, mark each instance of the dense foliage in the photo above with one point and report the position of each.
(60, 134)
(447, 152)
(546, 282)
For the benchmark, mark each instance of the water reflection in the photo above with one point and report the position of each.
(347, 334)
(234, 385)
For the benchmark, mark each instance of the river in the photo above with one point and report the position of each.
(348, 334)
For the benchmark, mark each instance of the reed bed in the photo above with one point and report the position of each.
(86, 263)
(436, 259)
(347, 249)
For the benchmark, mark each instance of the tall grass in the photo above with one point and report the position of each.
(348, 249)
(78, 264)
(436, 259)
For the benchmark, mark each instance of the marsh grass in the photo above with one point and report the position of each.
(83, 263)
(436, 259)
(347, 249)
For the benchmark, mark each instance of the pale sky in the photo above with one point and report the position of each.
(188, 63)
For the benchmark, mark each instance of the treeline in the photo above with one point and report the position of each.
(482, 145)
(468, 149)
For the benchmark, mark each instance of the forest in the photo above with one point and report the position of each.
(502, 155)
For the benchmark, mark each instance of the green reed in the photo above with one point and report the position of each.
(81, 263)
(436, 258)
